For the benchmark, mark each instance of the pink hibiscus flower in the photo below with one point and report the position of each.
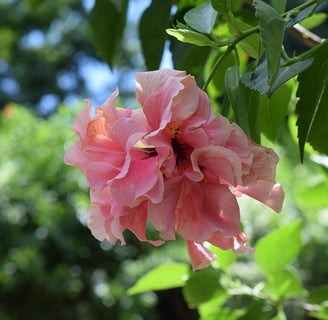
(171, 163)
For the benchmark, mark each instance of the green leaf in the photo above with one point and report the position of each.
(258, 309)
(318, 295)
(302, 15)
(252, 98)
(284, 284)
(288, 72)
(272, 28)
(311, 107)
(107, 21)
(256, 80)
(221, 6)
(152, 25)
(210, 307)
(251, 44)
(322, 314)
(189, 57)
(224, 257)
(277, 249)
(314, 196)
(192, 37)
(236, 96)
(201, 286)
(278, 5)
(314, 21)
(201, 18)
(35, 4)
(273, 111)
(217, 83)
(162, 277)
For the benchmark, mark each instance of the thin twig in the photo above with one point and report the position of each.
(308, 38)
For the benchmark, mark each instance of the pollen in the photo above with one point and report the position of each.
(173, 130)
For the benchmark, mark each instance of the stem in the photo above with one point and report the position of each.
(299, 8)
(231, 46)
(217, 63)
(241, 35)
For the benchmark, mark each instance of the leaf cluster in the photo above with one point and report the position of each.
(242, 52)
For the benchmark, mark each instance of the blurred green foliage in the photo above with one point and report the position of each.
(50, 265)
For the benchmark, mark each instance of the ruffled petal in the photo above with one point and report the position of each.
(200, 257)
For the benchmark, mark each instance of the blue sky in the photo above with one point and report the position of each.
(101, 81)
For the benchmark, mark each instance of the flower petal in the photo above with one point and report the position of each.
(200, 257)
(269, 193)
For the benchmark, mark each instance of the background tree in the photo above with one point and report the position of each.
(50, 263)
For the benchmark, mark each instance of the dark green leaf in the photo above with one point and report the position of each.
(252, 98)
(302, 15)
(201, 286)
(272, 29)
(236, 96)
(277, 249)
(221, 6)
(273, 111)
(35, 4)
(107, 22)
(217, 81)
(288, 72)
(318, 295)
(259, 310)
(251, 44)
(257, 79)
(201, 18)
(162, 277)
(189, 58)
(278, 5)
(153, 23)
(312, 104)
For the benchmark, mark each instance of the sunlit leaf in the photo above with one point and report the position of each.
(314, 196)
(107, 21)
(201, 18)
(312, 104)
(272, 29)
(224, 257)
(284, 284)
(322, 314)
(192, 37)
(314, 21)
(152, 25)
(162, 277)
(278, 248)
